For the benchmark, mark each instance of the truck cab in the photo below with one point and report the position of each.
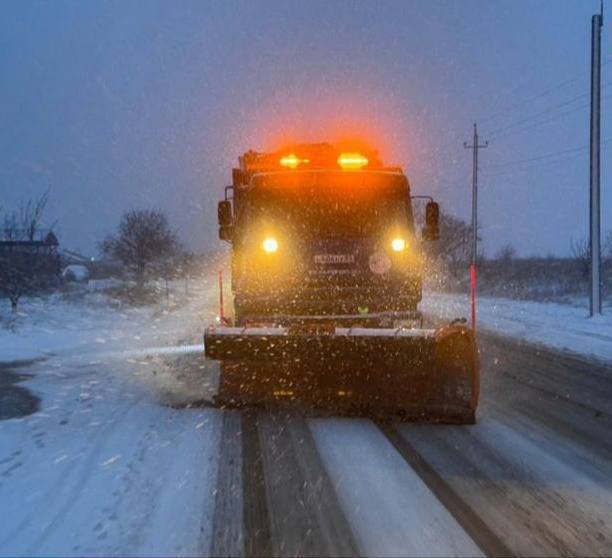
(317, 232)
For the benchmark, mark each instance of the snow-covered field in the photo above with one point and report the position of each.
(88, 321)
(558, 326)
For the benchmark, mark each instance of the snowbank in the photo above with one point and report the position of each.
(94, 322)
(555, 325)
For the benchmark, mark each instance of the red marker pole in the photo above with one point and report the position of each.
(473, 294)
(221, 312)
(474, 147)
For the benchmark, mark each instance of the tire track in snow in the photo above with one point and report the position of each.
(228, 524)
(390, 509)
(469, 520)
(257, 535)
(274, 496)
(306, 518)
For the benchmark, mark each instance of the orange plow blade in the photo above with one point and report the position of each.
(411, 374)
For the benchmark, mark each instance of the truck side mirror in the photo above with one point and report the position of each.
(431, 230)
(224, 213)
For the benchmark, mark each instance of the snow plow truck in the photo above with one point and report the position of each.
(326, 273)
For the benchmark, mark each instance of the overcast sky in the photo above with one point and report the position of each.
(113, 105)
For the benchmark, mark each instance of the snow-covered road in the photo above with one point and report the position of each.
(106, 466)
(105, 469)
(126, 457)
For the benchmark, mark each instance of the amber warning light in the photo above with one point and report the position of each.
(352, 161)
(310, 156)
(292, 161)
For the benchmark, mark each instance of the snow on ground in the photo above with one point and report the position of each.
(555, 325)
(392, 512)
(90, 321)
(103, 470)
(105, 467)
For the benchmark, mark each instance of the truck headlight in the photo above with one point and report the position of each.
(398, 244)
(270, 245)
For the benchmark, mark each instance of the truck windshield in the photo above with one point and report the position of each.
(329, 204)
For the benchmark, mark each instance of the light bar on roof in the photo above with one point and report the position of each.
(292, 161)
(352, 161)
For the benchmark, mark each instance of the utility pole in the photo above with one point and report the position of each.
(474, 147)
(594, 205)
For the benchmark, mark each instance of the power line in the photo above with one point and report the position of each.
(448, 142)
(547, 120)
(560, 161)
(546, 112)
(545, 156)
(515, 106)
(537, 96)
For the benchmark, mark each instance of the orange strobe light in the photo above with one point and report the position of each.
(352, 161)
(292, 161)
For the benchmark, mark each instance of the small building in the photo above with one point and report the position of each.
(75, 273)
(31, 261)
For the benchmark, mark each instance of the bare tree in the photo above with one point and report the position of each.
(16, 274)
(144, 237)
(31, 214)
(172, 267)
(26, 262)
(455, 240)
(606, 249)
(506, 253)
(580, 250)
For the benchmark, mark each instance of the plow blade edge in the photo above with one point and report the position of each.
(421, 374)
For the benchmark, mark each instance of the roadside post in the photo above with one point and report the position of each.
(473, 264)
